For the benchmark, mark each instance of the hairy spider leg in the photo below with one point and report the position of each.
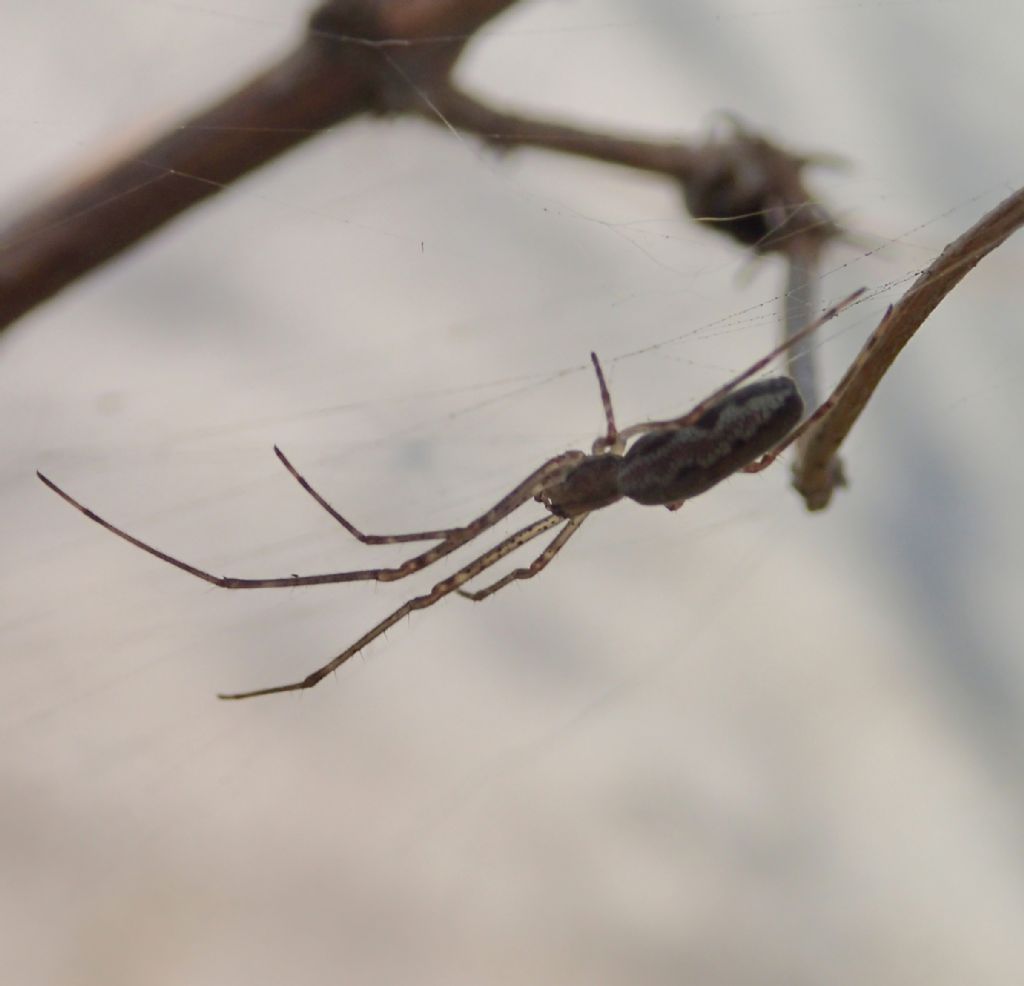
(535, 567)
(610, 441)
(534, 483)
(439, 535)
(443, 588)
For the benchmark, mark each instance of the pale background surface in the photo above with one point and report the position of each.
(738, 744)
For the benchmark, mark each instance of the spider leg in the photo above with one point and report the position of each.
(443, 588)
(526, 490)
(439, 535)
(611, 441)
(535, 567)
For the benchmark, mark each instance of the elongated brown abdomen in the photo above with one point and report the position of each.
(666, 467)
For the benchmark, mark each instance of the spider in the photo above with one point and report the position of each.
(735, 429)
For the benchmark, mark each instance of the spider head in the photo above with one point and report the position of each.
(588, 485)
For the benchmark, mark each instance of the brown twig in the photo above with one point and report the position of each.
(379, 56)
(339, 69)
(743, 185)
(900, 322)
(506, 131)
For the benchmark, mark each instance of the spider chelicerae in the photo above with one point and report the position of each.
(738, 428)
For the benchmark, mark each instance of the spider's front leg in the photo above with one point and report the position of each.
(439, 535)
(535, 482)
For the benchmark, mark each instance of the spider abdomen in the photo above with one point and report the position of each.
(666, 467)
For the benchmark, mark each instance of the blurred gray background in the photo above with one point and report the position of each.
(739, 744)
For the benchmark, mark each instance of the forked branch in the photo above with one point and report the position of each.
(384, 57)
